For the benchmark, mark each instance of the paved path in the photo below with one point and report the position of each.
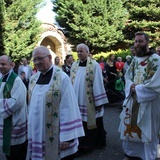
(113, 151)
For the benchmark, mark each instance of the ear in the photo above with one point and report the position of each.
(50, 57)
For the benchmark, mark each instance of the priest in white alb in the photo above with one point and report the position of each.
(140, 119)
(55, 122)
(87, 80)
(13, 112)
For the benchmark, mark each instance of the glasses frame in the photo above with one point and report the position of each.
(39, 58)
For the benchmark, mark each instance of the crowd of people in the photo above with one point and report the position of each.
(56, 112)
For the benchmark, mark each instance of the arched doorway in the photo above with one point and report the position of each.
(55, 41)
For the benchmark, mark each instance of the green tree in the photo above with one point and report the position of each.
(144, 15)
(1, 27)
(21, 28)
(98, 23)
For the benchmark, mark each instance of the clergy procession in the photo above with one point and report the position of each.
(57, 112)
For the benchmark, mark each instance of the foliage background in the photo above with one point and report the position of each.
(21, 30)
(99, 23)
(105, 25)
(144, 15)
(119, 53)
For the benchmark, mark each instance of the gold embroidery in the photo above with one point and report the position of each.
(52, 107)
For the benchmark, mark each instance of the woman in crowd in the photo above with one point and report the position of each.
(112, 76)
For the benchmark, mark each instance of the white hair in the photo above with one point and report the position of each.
(128, 57)
(84, 46)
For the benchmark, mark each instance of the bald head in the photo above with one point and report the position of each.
(5, 64)
(6, 58)
(41, 49)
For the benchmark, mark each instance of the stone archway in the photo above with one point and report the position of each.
(51, 43)
(55, 41)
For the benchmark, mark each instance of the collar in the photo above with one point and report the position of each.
(83, 63)
(5, 76)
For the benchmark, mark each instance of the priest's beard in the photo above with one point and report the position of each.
(141, 51)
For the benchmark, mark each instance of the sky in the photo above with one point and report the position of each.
(46, 14)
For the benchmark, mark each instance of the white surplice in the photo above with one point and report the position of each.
(17, 107)
(145, 72)
(99, 93)
(70, 127)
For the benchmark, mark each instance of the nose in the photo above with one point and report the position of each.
(137, 43)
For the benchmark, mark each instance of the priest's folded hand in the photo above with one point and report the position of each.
(64, 145)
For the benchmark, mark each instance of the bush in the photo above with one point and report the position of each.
(119, 53)
(74, 54)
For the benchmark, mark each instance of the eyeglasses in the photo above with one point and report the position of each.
(39, 58)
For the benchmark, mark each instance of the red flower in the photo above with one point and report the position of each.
(143, 63)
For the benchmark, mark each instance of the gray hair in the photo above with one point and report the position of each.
(84, 46)
(128, 57)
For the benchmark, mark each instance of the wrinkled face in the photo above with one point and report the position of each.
(140, 45)
(82, 53)
(5, 65)
(42, 61)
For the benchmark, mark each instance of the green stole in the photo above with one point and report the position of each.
(8, 121)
